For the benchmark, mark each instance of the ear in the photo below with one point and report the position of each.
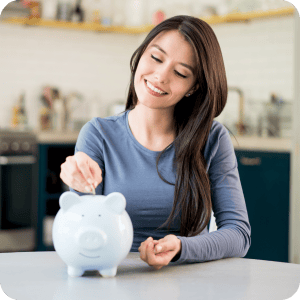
(68, 199)
(115, 202)
(192, 90)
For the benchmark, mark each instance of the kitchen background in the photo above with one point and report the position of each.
(55, 79)
(258, 58)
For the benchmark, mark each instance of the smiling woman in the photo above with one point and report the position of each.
(166, 154)
(165, 72)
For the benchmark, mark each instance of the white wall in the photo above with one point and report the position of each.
(294, 236)
(258, 58)
(96, 65)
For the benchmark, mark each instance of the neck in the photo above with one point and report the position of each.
(153, 128)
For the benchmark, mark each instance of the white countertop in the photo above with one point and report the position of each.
(239, 142)
(43, 275)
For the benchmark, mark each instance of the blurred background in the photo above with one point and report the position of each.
(64, 62)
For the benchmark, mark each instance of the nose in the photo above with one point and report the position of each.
(162, 74)
(91, 239)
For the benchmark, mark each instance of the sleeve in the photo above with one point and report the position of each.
(232, 239)
(90, 141)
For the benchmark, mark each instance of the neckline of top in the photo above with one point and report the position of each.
(140, 146)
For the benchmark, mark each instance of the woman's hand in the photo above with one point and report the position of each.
(80, 172)
(159, 253)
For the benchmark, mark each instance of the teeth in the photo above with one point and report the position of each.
(153, 88)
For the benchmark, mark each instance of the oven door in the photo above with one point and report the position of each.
(18, 202)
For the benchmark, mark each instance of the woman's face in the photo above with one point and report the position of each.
(165, 71)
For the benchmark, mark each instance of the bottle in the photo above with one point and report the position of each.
(106, 12)
(78, 14)
(135, 13)
(23, 121)
(58, 117)
(118, 16)
(49, 9)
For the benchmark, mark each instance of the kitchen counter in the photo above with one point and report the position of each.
(253, 143)
(43, 275)
(52, 137)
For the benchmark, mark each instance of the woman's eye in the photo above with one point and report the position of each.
(155, 58)
(179, 74)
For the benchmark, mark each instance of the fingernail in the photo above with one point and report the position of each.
(158, 248)
(87, 188)
(149, 238)
(89, 181)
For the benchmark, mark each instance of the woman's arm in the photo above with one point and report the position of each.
(90, 142)
(232, 239)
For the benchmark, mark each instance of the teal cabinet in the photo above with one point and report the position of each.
(51, 156)
(265, 182)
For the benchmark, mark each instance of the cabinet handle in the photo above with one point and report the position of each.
(247, 161)
(17, 160)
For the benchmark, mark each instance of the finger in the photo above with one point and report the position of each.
(150, 254)
(73, 174)
(72, 183)
(96, 173)
(84, 167)
(158, 248)
(143, 248)
(152, 259)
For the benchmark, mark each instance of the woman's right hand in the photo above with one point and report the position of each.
(80, 172)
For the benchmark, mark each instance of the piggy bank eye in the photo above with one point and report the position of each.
(83, 215)
(99, 215)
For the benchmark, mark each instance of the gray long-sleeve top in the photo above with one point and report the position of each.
(130, 168)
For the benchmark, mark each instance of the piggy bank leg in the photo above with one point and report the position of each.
(108, 272)
(75, 272)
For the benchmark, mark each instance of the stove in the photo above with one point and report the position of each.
(18, 190)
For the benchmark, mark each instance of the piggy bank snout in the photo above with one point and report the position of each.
(91, 238)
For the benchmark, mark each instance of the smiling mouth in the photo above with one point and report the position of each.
(89, 256)
(154, 91)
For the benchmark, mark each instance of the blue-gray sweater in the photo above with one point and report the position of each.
(129, 168)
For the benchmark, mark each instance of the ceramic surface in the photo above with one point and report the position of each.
(92, 232)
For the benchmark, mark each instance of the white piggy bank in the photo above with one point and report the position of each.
(92, 232)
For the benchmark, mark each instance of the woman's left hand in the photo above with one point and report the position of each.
(159, 253)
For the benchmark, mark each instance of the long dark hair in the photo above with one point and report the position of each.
(193, 118)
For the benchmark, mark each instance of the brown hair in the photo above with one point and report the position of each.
(193, 118)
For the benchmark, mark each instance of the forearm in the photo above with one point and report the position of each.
(224, 243)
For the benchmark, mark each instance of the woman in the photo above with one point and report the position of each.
(166, 154)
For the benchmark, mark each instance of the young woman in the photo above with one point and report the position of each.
(169, 158)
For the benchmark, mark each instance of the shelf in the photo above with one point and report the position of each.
(77, 26)
(243, 17)
(229, 18)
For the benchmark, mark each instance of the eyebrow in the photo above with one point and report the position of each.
(183, 64)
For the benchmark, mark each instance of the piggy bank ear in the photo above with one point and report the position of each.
(68, 199)
(115, 202)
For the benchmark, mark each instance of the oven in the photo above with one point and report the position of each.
(18, 190)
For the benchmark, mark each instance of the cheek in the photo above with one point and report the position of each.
(180, 89)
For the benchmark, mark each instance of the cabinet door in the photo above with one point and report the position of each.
(265, 182)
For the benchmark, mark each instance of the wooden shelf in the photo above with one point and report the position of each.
(229, 18)
(78, 26)
(243, 17)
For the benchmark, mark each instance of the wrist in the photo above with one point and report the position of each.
(178, 253)
(179, 246)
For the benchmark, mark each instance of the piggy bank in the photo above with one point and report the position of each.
(92, 232)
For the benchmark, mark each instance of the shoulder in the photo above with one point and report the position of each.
(218, 143)
(218, 132)
(103, 127)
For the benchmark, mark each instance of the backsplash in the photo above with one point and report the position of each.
(258, 57)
